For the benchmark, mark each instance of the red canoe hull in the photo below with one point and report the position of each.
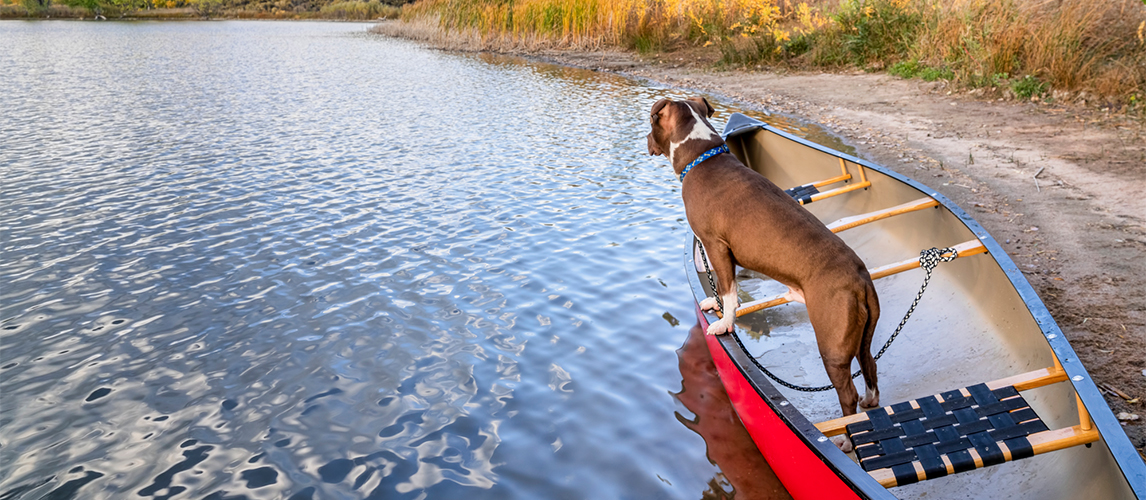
(804, 475)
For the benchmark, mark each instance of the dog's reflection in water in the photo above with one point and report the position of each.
(729, 444)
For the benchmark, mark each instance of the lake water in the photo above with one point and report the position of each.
(298, 260)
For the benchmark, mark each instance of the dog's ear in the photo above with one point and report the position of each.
(657, 107)
(708, 111)
(654, 119)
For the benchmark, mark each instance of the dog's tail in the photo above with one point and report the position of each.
(866, 360)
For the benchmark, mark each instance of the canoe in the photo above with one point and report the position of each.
(982, 396)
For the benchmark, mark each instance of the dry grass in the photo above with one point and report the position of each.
(183, 9)
(1061, 45)
(14, 10)
(638, 24)
(1068, 44)
(427, 29)
(359, 10)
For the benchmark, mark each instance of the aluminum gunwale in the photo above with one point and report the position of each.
(1124, 454)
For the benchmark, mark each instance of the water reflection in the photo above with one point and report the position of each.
(744, 473)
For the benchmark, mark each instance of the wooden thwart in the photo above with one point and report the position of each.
(859, 220)
(835, 192)
(832, 180)
(965, 249)
(804, 198)
(844, 175)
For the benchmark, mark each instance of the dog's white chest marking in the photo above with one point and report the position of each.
(700, 130)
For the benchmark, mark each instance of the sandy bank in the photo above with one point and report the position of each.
(1078, 230)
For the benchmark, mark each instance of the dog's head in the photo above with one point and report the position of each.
(674, 122)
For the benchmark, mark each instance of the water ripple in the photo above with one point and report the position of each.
(293, 260)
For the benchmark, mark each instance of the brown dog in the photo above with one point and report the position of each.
(743, 219)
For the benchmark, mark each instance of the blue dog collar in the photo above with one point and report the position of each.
(723, 148)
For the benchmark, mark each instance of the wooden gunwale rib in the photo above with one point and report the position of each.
(932, 443)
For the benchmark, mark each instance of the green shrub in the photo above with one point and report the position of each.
(1028, 86)
(932, 74)
(748, 51)
(799, 45)
(877, 30)
(913, 68)
(645, 44)
(905, 69)
(36, 7)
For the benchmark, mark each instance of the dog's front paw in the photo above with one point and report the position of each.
(844, 443)
(721, 327)
(708, 304)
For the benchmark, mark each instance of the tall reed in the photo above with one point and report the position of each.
(638, 24)
(1069, 44)
(1093, 45)
(359, 10)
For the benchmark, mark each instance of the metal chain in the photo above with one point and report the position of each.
(928, 260)
(707, 271)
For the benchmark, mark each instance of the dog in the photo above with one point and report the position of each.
(742, 218)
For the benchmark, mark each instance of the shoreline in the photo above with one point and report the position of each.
(1059, 186)
(183, 14)
(190, 18)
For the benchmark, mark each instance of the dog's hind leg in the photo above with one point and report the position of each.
(866, 360)
(835, 317)
(838, 329)
(725, 269)
(838, 367)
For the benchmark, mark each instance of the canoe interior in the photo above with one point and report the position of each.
(971, 326)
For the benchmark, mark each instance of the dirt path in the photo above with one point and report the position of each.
(1079, 234)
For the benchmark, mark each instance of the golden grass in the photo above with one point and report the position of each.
(640, 24)
(1098, 46)
(359, 10)
(183, 9)
(15, 10)
(427, 29)
(1070, 44)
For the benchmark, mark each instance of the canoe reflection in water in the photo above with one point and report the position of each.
(729, 445)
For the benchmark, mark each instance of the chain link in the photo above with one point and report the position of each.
(928, 260)
(707, 271)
